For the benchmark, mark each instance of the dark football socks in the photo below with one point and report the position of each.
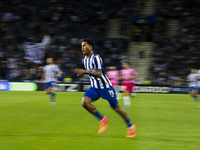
(98, 115)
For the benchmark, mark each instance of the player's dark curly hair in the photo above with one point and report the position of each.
(89, 42)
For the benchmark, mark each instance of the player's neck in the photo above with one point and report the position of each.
(89, 54)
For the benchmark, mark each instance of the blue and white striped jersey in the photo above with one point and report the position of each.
(49, 72)
(193, 78)
(198, 73)
(95, 63)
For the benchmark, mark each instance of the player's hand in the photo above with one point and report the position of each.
(80, 72)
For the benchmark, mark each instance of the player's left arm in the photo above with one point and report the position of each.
(58, 71)
(135, 75)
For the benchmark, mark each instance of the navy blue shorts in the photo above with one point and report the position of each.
(108, 93)
(49, 84)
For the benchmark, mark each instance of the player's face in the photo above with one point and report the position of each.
(125, 65)
(49, 61)
(85, 48)
(113, 68)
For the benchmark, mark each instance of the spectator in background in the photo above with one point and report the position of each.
(39, 73)
(66, 24)
(142, 49)
(15, 74)
(12, 63)
(137, 33)
(182, 49)
(25, 76)
(3, 70)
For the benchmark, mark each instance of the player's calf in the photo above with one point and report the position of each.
(52, 95)
(120, 111)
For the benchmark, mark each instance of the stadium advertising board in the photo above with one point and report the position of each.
(140, 88)
(152, 89)
(62, 87)
(18, 86)
(81, 87)
(67, 87)
(75, 87)
(4, 86)
(23, 86)
(179, 90)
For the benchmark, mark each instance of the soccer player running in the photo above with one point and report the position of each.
(100, 87)
(127, 75)
(192, 78)
(113, 76)
(198, 83)
(50, 75)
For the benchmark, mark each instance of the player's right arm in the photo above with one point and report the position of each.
(97, 62)
(134, 74)
(188, 79)
(96, 73)
(43, 76)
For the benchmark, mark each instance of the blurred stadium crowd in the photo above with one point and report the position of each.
(174, 56)
(25, 22)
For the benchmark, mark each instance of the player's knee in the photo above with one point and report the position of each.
(84, 102)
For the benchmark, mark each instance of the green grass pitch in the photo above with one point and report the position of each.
(164, 122)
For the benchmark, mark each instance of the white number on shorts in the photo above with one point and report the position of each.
(111, 93)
